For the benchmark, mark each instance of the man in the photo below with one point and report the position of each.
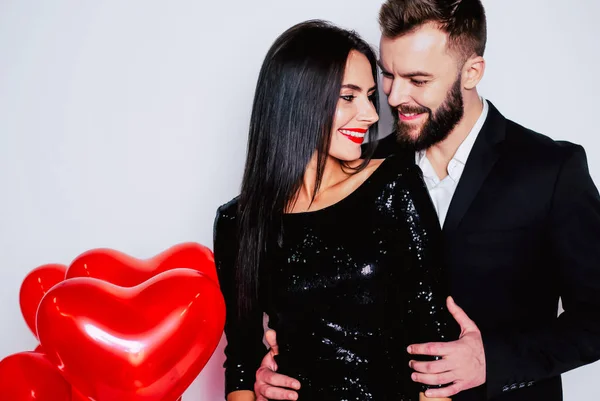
(519, 211)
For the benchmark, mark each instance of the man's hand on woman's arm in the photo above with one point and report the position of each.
(269, 384)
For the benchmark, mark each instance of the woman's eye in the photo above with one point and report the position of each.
(348, 98)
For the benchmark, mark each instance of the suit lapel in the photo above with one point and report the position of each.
(482, 158)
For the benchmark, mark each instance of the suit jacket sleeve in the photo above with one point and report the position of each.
(244, 350)
(518, 359)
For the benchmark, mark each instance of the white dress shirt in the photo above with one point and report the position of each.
(441, 191)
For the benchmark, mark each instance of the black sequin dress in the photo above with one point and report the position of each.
(351, 286)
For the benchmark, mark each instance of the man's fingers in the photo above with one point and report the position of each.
(432, 349)
(271, 338)
(271, 378)
(266, 392)
(439, 366)
(444, 392)
(460, 316)
(433, 379)
(277, 393)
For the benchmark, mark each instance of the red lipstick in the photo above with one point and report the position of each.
(354, 138)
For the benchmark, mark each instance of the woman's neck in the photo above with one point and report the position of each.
(339, 179)
(333, 173)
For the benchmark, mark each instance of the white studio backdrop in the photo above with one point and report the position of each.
(123, 124)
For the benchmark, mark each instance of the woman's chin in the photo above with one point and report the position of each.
(349, 155)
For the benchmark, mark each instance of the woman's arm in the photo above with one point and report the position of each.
(245, 349)
(427, 288)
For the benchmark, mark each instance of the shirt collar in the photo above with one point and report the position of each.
(463, 151)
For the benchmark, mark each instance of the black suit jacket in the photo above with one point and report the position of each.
(523, 229)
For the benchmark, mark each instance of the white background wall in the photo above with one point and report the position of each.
(123, 123)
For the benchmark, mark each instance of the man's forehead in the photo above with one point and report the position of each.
(423, 41)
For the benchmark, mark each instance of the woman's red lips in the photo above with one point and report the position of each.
(359, 130)
(356, 135)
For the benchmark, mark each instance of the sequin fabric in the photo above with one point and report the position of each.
(347, 290)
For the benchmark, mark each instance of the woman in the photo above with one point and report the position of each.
(339, 252)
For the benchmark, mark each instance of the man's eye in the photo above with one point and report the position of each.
(387, 74)
(417, 82)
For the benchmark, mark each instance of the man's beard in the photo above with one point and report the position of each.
(438, 125)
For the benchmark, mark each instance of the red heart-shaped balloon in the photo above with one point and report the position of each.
(35, 285)
(77, 396)
(126, 271)
(142, 343)
(30, 376)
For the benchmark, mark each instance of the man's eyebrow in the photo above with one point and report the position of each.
(416, 74)
(407, 75)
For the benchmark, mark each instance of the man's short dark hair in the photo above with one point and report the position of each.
(463, 20)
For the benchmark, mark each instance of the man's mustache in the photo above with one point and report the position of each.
(404, 109)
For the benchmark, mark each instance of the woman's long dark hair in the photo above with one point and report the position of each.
(292, 117)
